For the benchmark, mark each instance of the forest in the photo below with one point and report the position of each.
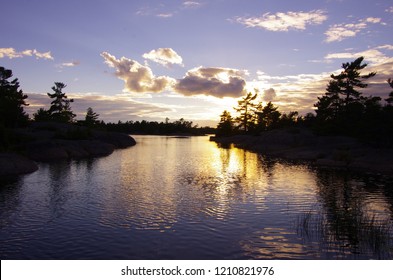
(342, 110)
(13, 116)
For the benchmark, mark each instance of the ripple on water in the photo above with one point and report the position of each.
(188, 199)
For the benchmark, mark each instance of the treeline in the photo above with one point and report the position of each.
(13, 101)
(254, 118)
(12, 114)
(177, 127)
(342, 110)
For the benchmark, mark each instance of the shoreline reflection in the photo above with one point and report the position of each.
(187, 198)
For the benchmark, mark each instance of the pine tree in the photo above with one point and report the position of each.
(226, 126)
(342, 97)
(12, 101)
(91, 117)
(389, 100)
(268, 116)
(42, 115)
(60, 109)
(246, 108)
(350, 79)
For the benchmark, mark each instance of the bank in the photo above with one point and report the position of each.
(49, 142)
(300, 144)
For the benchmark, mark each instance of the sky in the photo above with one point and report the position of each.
(134, 60)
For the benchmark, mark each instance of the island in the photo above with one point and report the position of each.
(51, 141)
(302, 144)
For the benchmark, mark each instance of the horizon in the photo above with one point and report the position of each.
(148, 60)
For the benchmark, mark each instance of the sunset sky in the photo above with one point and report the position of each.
(134, 60)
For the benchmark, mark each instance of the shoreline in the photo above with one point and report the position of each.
(336, 152)
(50, 142)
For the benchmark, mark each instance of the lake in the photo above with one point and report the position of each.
(188, 198)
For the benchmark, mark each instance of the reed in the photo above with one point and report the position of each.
(361, 234)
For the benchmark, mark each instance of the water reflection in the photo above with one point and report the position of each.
(10, 192)
(355, 216)
(186, 198)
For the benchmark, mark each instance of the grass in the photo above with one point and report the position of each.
(355, 232)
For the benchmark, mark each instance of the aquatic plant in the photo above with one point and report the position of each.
(357, 232)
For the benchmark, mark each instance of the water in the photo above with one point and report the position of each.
(187, 198)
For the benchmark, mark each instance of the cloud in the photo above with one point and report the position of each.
(300, 92)
(373, 20)
(200, 109)
(214, 81)
(387, 47)
(269, 94)
(164, 56)
(191, 4)
(12, 53)
(339, 32)
(71, 64)
(157, 11)
(68, 64)
(389, 10)
(374, 56)
(165, 15)
(110, 108)
(284, 21)
(137, 78)
(293, 92)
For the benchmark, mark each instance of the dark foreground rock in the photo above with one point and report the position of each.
(48, 142)
(12, 164)
(47, 151)
(329, 151)
(119, 140)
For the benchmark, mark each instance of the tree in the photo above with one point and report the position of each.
(246, 108)
(342, 101)
(42, 115)
(389, 100)
(289, 119)
(226, 125)
(91, 117)
(350, 79)
(268, 116)
(329, 106)
(60, 109)
(12, 101)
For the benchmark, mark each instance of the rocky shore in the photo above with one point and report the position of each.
(329, 151)
(48, 142)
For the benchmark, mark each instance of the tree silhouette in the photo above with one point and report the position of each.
(342, 110)
(226, 125)
(91, 117)
(60, 109)
(246, 108)
(42, 115)
(389, 100)
(342, 95)
(268, 116)
(289, 119)
(12, 101)
(350, 79)
(329, 106)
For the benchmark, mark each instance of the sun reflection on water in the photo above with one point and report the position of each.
(188, 198)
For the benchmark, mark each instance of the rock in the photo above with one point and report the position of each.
(51, 141)
(96, 148)
(54, 150)
(119, 140)
(13, 164)
(329, 151)
(73, 149)
(45, 151)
